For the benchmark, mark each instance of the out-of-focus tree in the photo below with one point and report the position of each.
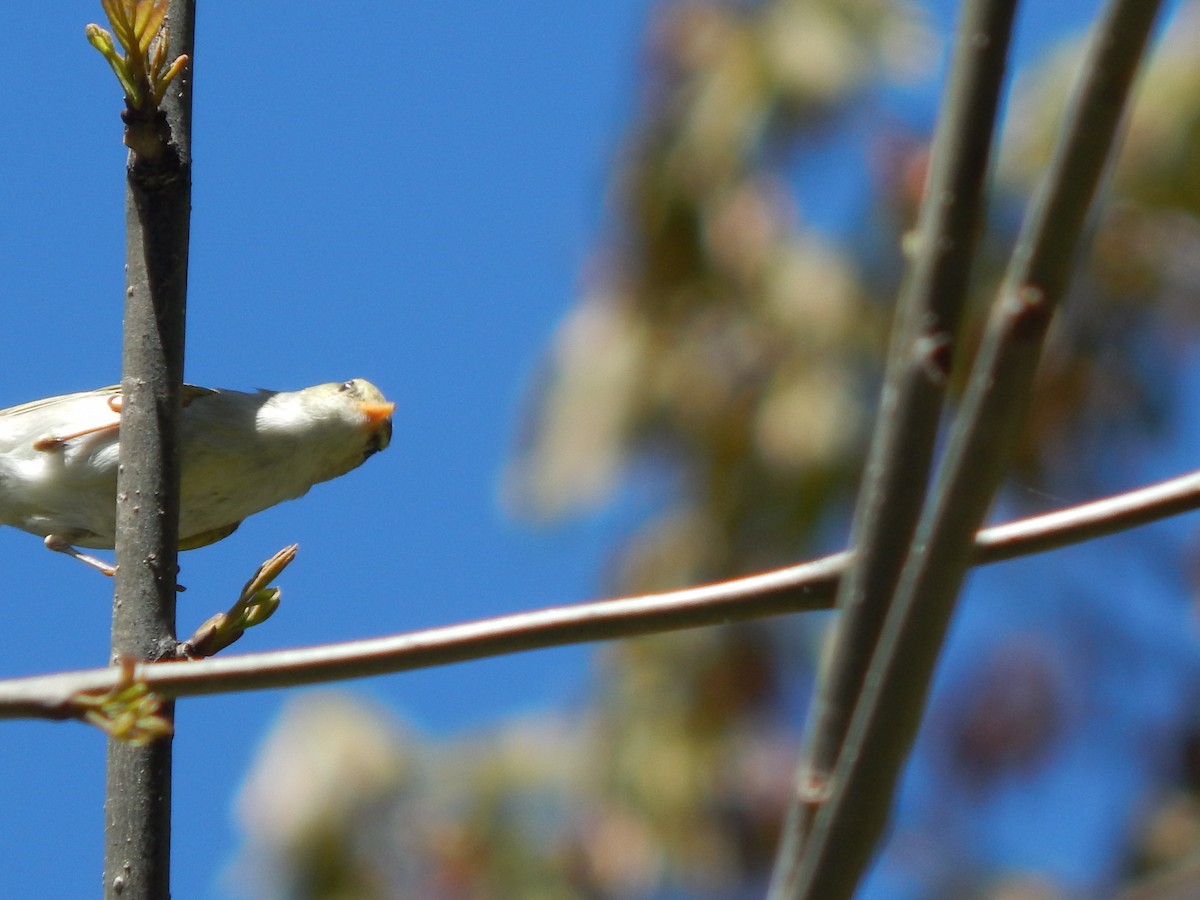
(734, 351)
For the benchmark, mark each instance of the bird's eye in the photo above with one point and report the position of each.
(347, 386)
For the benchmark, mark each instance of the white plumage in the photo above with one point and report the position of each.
(240, 453)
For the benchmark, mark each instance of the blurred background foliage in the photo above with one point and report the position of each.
(726, 347)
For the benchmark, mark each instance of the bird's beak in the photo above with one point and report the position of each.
(376, 412)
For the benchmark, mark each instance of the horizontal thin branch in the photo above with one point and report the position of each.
(805, 587)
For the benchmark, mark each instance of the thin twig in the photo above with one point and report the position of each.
(930, 309)
(809, 586)
(848, 826)
(137, 802)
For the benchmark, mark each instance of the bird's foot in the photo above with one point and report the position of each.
(60, 544)
(54, 441)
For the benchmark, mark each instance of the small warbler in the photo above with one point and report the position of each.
(240, 453)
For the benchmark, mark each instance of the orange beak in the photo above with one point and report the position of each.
(377, 413)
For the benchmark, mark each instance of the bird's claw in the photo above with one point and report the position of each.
(60, 544)
(54, 441)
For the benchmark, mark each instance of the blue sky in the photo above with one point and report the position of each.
(408, 198)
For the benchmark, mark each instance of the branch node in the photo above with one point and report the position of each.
(255, 604)
(129, 712)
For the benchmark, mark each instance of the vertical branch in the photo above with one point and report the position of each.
(158, 205)
(923, 344)
(888, 714)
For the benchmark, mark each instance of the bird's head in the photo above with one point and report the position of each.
(335, 426)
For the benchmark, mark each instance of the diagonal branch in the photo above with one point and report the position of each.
(886, 718)
(930, 310)
(809, 586)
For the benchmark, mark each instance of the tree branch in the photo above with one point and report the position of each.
(885, 721)
(919, 364)
(805, 587)
(158, 208)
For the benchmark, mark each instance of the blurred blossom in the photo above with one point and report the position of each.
(589, 405)
(728, 345)
(343, 803)
(325, 758)
(811, 290)
(1135, 292)
(687, 37)
(910, 48)
(1156, 174)
(1158, 161)
(322, 780)
(742, 227)
(665, 553)
(724, 118)
(1172, 833)
(812, 415)
(814, 52)
(1025, 886)
(617, 853)
(725, 326)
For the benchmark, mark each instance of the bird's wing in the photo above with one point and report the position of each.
(45, 403)
(190, 392)
(54, 421)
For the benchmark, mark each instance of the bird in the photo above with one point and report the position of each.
(240, 453)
